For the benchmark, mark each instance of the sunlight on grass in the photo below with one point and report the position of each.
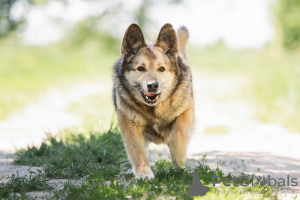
(274, 88)
(95, 110)
(221, 129)
(26, 71)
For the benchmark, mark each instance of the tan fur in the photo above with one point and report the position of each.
(171, 118)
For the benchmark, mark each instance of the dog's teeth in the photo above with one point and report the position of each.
(149, 99)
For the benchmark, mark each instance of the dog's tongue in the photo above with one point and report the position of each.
(149, 94)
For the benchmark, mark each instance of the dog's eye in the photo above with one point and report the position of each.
(141, 69)
(162, 69)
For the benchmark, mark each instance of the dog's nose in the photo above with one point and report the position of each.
(152, 86)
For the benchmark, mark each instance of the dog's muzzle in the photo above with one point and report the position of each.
(151, 92)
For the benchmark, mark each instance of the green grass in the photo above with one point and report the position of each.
(99, 161)
(18, 184)
(75, 155)
(168, 183)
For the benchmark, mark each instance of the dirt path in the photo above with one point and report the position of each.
(249, 146)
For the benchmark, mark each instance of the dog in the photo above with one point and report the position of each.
(153, 95)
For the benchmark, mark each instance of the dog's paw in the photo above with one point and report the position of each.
(145, 173)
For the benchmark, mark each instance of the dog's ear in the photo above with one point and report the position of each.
(167, 40)
(133, 40)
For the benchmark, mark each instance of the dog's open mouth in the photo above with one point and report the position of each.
(150, 98)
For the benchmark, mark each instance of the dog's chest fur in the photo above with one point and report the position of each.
(157, 121)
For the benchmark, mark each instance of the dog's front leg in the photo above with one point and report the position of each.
(179, 137)
(136, 147)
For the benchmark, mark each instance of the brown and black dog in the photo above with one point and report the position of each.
(153, 95)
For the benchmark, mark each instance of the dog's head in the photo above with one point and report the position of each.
(151, 68)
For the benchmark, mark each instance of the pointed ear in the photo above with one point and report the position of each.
(167, 40)
(133, 40)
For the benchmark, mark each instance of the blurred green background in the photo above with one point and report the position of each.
(90, 46)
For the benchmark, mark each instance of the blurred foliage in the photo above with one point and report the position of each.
(38, 2)
(86, 32)
(7, 24)
(141, 16)
(288, 16)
